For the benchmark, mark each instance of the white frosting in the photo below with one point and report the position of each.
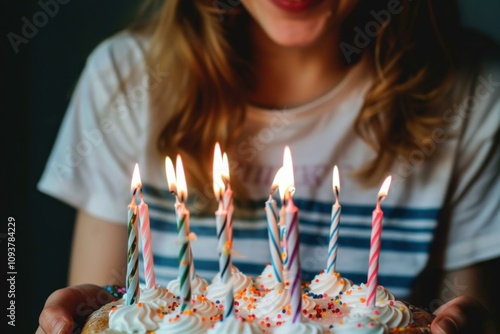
(245, 301)
(217, 290)
(392, 313)
(308, 304)
(357, 295)
(259, 310)
(267, 280)
(233, 325)
(204, 306)
(303, 327)
(273, 304)
(198, 286)
(186, 323)
(159, 297)
(276, 302)
(140, 317)
(361, 324)
(331, 284)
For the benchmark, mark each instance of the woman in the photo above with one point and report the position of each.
(376, 87)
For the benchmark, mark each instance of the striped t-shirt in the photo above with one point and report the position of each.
(104, 134)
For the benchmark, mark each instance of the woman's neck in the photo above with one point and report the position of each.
(287, 77)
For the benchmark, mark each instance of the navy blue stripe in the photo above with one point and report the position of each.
(305, 238)
(325, 222)
(253, 269)
(317, 207)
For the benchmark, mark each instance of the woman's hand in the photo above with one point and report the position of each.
(66, 309)
(463, 315)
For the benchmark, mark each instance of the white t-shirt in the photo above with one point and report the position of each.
(108, 128)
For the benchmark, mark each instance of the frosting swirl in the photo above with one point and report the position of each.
(273, 304)
(159, 297)
(267, 280)
(235, 325)
(245, 301)
(204, 307)
(277, 302)
(140, 317)
(185, 322)
(361, 324)
(198, 286)
(217, 290)
(394, 314)
(357, 295)
(330, 284)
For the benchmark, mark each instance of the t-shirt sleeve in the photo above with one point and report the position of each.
(91, 163)
(473, 213)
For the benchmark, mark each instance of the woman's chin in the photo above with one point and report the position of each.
(297, 34)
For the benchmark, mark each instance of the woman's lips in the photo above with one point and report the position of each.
(296, 6)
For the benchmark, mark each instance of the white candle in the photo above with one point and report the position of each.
(334, 227)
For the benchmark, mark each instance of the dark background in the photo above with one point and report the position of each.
(36, 87)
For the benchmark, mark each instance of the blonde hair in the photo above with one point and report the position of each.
(208, 70)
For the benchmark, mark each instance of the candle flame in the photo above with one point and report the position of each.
(385, 187)
(225, 167)
(170, 172)
(277, 180)
(136, 179)
(286, 180)
(217, 172)
(181, 180)
(336, 179)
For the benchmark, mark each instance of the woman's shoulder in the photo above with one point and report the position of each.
(120, 52)
(476, 93)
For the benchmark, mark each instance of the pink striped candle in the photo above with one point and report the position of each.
(132, 282)
(147, 251)
(375, 244)
(227, 197)
(293, 249)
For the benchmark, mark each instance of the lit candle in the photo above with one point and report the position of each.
(282, 224)
(287, 189)
(147, 252)
(227, 197)
(375, 243)
(177, 183)
(132, 283)
(334, 227)
(222, 226)
(274, 233)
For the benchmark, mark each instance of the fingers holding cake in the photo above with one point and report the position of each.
(67, 308)
(463, 314)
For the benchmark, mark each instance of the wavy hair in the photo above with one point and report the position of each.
(210, 71)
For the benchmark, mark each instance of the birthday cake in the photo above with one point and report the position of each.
(330, 304)
(277, 301)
